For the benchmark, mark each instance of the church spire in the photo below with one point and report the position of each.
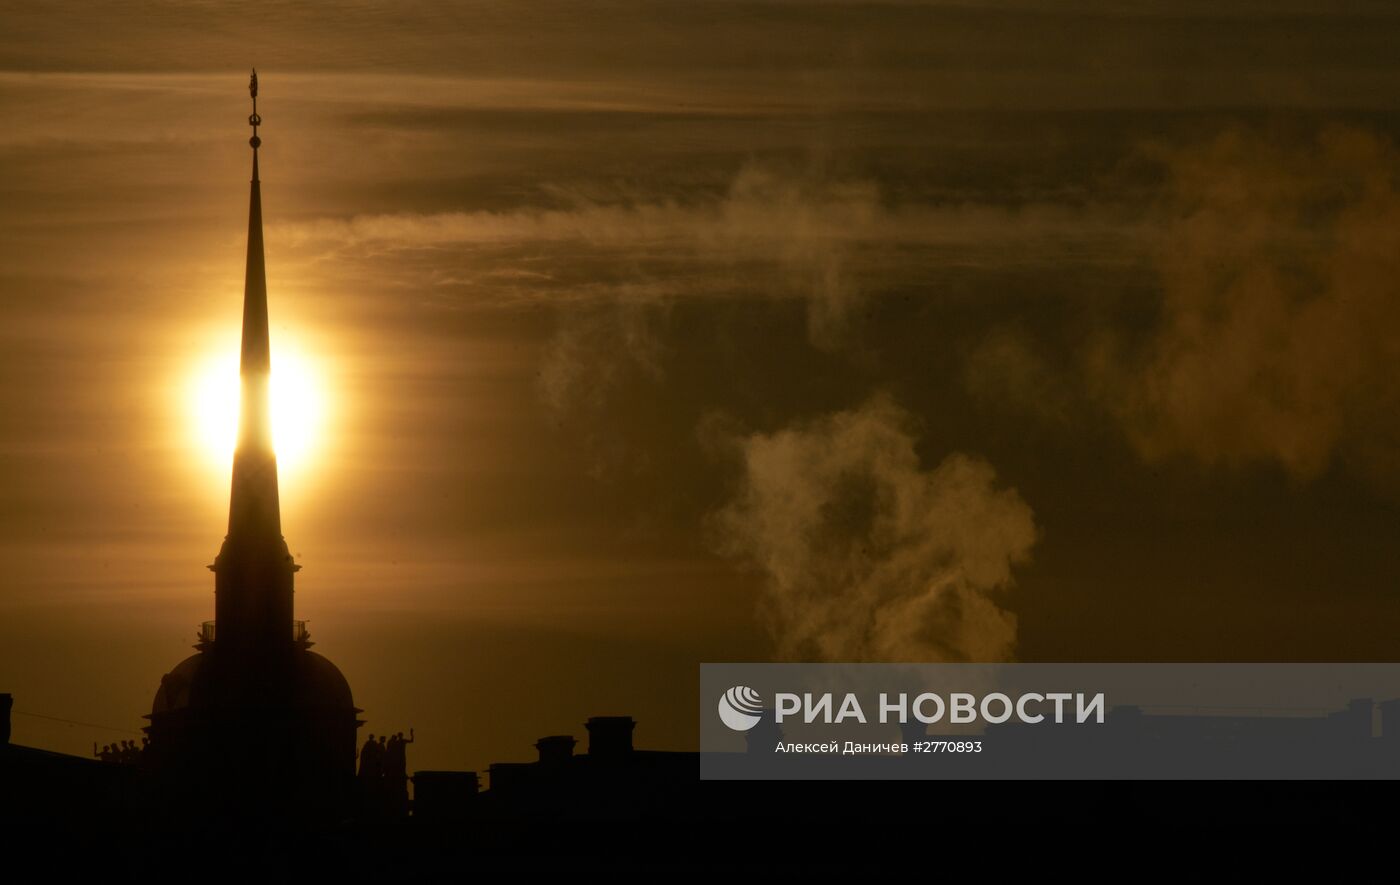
(254, 503)
(255, 726)
(255, 361)
(253, 587)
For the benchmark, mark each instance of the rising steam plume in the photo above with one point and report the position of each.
(869, 556)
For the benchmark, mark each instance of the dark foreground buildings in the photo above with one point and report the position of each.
(613, 806)
(612, 780)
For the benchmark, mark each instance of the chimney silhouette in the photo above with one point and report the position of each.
(610, 737)
(1390, 720)
(556, 749)
(765, 735)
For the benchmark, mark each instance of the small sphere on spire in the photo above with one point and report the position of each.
(254, 119)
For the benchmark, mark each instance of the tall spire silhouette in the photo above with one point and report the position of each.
(253, 583)
(255, 723)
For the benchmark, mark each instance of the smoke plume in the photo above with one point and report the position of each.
(868, 556)
(1280, 328)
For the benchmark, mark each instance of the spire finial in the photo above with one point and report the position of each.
(253, 119)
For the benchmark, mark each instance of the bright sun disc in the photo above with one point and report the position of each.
(299, 405)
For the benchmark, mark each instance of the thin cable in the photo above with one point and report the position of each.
(75, 722)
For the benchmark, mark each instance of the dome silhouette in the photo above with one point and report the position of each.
(316, 682)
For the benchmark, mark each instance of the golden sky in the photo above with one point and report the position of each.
(666, 333)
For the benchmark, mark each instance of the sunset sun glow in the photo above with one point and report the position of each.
(300, 405)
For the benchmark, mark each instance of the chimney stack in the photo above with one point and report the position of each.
(610, 737)
(556, 749)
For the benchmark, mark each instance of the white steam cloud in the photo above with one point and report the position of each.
(870, 557)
